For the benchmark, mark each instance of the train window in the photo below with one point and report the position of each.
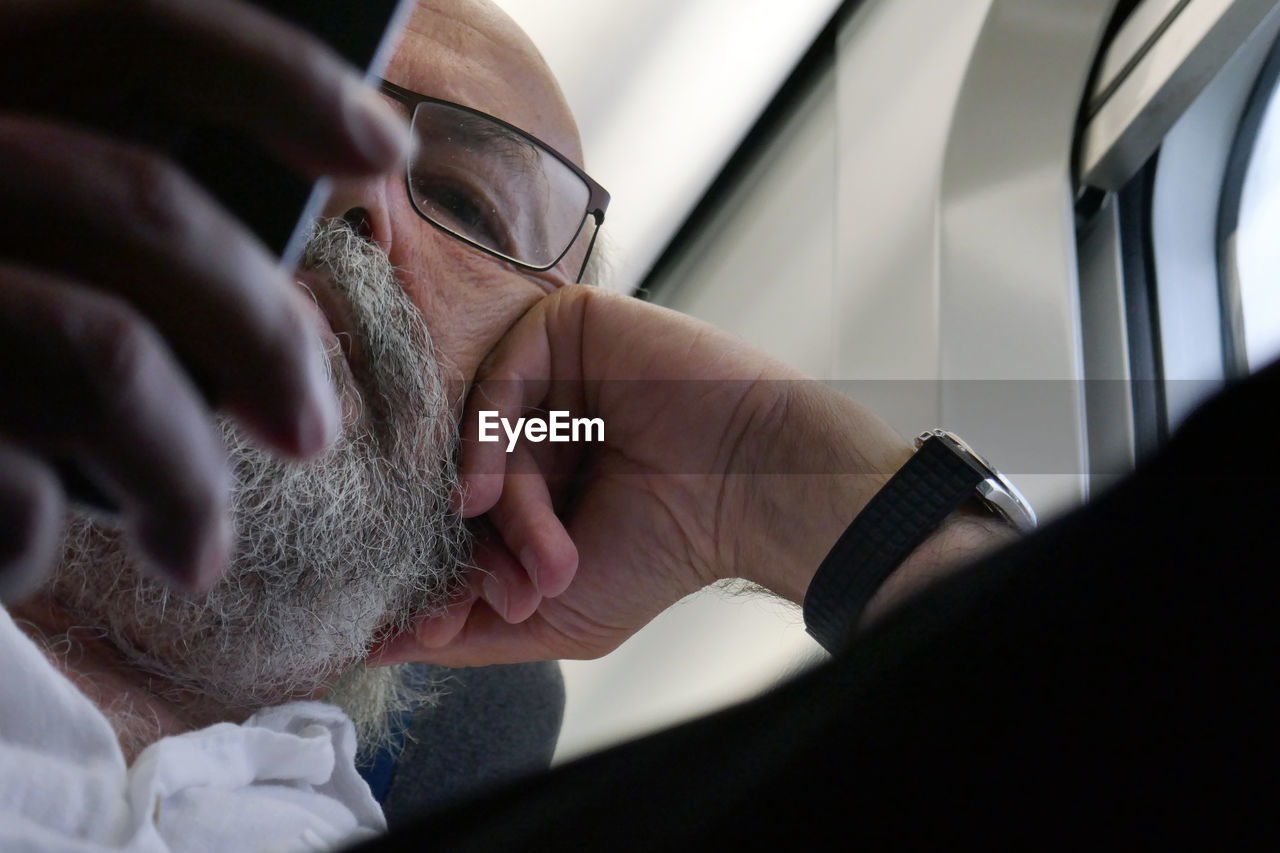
(1179, 155)
(1191, 192)
(1249, 253)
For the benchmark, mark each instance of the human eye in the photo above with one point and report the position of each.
(461, 208)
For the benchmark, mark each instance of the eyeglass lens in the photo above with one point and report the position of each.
(493, 187)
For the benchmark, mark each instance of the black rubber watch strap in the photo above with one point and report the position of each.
(933, 482)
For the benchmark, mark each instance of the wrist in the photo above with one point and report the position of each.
(810, 461)
(817, 460)
(964, 536)
(943, 476)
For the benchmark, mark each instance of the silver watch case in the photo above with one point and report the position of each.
(995, 490)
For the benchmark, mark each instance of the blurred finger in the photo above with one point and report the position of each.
(220, 61)
(30, 522)
(127, 222)
(87, 379)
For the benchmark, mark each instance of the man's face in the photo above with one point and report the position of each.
(464, 52)
(333, 552)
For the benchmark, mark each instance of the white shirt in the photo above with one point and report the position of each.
(284, 780)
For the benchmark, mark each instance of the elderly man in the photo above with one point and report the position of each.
(404, 294)
(334, 555)
(139, 715)
(360, 553)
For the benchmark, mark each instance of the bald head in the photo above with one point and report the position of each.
(472, 53)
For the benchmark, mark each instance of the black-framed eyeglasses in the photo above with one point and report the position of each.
(494, 186)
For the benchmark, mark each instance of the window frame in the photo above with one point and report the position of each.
(1265, 89)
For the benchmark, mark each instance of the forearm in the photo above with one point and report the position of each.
(817, 458)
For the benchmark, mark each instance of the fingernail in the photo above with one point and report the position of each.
(380, 133)
(495, 592)
(529, 560)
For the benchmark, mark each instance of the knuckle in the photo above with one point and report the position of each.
(154, 197)
(118, 351)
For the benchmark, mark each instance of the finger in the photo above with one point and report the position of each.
(30, 523)
(432, 631)
(87, 379)
(482, 457)
(503, 582)
(439, 630)
(497, 585)
(130, 223)
(218, 60)
(527, 522)
(485, 638)
(515, 375)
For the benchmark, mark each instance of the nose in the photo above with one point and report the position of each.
(362, 205)
(359, 220)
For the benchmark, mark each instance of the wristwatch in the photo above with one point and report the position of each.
(942, 474)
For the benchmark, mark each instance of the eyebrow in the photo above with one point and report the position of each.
(486, 133)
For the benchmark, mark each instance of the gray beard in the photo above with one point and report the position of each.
(331, 554)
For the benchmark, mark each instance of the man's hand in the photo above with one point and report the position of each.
(718, 462)
(131, 304)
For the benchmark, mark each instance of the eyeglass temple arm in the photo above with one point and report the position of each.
(587, 257)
